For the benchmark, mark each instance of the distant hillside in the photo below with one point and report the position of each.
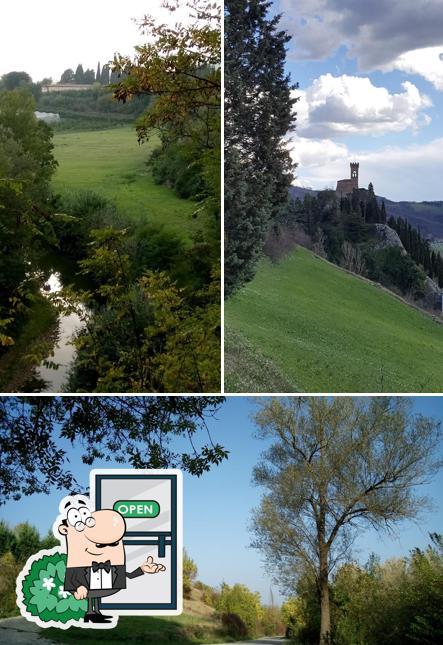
(306, 325)
(426, 216)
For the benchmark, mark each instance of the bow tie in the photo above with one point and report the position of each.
(102, 565)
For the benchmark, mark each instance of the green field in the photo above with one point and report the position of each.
(112, 163)
(324, 330)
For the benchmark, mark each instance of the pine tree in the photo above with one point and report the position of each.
(258, 113)
(98, 73)
(383, 213)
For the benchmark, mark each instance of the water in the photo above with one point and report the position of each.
(53, 371)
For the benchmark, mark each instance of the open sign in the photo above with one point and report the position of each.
(129, 508)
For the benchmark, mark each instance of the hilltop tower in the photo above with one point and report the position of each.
(354, 172)
(346, 186)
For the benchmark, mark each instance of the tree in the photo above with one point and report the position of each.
(14, 80)
(189, 574)
(89, 77)
(79, 76)
(104, 76)
(242, 602)
(336, 464)
(68, 76)
(27, 541)
(26, 166)
(98, 73)
(138, 431)
(258, 115)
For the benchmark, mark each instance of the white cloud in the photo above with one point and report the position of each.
(398, 173)
(344, 105)
(427, 62)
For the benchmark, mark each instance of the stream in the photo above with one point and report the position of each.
(52, 373)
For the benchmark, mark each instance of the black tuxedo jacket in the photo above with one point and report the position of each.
(76, 577)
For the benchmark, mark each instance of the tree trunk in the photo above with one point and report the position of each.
(325, 624)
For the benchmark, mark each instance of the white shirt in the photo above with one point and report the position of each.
(100, 579)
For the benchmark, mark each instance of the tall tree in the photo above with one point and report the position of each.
(89, 77)
(137, 431)
(79, 76)
(98, 73)
(104, 76)
(336, 465)
(258, 114)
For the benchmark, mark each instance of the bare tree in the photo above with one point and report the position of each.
(352, 259)
(336, 465)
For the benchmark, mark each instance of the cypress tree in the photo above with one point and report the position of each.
(79, 74)
(383, 213)
(258, 113)
(98, 73)
(104, 78)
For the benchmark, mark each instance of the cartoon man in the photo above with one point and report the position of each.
(95, 565)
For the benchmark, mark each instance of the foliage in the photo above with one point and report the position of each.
(144, 335)
(335, 466)
(245, 605)
(143, 432)
(189, 574)
(9, 570)
(395, 269)
(26, 166)
(258, 114)
(43, 593)
(394, 603)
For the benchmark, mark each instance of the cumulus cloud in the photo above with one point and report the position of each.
(375, 32)
(426, 62)
(344, 105)
(398, 173)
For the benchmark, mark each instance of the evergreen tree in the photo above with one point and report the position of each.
(258, 113)
(89, 77)
(79, 75)
(104, 78)
(383, 212)
(98, 73)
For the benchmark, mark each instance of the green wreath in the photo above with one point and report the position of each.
(43, 592)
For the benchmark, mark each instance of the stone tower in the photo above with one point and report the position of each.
(346, 186)
(354, 172)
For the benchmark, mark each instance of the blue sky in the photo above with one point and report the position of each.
(217, 506)
(371, 89)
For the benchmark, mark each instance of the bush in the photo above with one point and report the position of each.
(242, 602)
(40, 591)
(234, 626)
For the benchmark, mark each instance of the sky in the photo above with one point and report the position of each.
(46, 37)
(217, 506)
(370, 80)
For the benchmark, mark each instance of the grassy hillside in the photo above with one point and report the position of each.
(112, 163)
(323, 330)
(197, 624)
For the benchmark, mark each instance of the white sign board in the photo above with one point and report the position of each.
(151, 503)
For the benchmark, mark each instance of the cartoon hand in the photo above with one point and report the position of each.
(81, 593)
(152, 567)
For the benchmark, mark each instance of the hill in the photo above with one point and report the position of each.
(426, 216)
(307, 325)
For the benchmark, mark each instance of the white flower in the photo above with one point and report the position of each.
(62, 593)
(48, 583)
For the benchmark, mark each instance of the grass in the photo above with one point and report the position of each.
(180, 630)
(112, 163)
(324, 330)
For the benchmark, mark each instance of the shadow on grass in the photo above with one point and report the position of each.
(141, 629)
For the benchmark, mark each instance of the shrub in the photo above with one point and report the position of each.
(40, 591)
(234, 626)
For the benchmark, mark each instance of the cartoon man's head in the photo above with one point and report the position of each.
(90, 536)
